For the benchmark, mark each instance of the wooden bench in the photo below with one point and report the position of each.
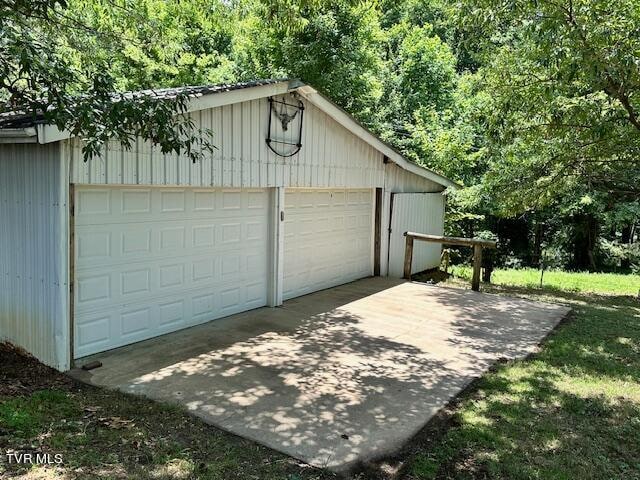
(477, 244)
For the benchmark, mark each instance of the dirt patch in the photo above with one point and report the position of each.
(21, 374)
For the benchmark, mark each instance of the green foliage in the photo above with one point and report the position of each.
(334, 47)
(426, 71)
(52, 64)
(420, 109)
(157, 43)
(564, 85)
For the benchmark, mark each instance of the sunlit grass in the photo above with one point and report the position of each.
(605, 283)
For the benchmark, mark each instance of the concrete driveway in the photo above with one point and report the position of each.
(335, 377)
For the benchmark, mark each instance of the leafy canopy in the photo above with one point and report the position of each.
(56, 66)
(564, 83)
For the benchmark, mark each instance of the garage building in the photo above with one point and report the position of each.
(296, 197)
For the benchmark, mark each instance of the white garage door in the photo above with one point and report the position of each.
(328, 238)
(149, 261)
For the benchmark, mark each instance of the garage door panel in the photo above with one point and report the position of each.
(328, 238)
(93, 289)
(93, 203)
(172, 315)
(135, 243)
(94, 245)
(94, 333)
(171, 276)
(133, 281)
(102, 329)
(204, 201)
(118, 243)
(135, 202)
(104, 206)
(138, 276)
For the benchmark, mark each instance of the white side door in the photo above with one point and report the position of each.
(415, 212)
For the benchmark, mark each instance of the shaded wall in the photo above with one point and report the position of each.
(33, 251)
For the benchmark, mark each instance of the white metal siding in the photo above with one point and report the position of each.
(33, 251)
(330, 156)
(400, 180)
(417, 212)
(155, 260)
(328, 238)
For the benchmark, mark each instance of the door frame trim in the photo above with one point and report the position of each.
(377, 234)
(72, 273)
(276, 234)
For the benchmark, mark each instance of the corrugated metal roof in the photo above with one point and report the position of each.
(22, 119)
(200, 90)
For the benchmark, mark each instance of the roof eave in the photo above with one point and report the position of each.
(219, 99)
(50, 133)
(18, 135)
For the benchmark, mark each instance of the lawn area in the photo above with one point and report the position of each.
(566, 281)
(571, 411)
(106, 434)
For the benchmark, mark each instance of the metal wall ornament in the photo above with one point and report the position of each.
(285, 113)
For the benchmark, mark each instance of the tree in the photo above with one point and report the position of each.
(332, 45)
(565, 90)
(159, 43)
(44, 73)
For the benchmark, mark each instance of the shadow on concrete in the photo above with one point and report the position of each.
(336, 377)
(534, 424)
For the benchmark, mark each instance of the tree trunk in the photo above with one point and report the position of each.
(584, 242)
(486, 273)
(625, 263)
(592, 232)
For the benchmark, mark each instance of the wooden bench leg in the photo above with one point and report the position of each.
(477, 265)
(408, 257)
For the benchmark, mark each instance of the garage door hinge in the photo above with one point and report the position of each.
(282, 215)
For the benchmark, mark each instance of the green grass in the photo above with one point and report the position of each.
(107, 434)
(571, 411)
(605, 283)
(25, 416)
